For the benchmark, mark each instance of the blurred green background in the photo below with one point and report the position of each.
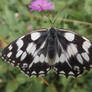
(16, 20)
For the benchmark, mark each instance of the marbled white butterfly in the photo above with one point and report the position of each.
(64, 51)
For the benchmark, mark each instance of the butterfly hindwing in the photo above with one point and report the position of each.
(28, 53)
(74, 54)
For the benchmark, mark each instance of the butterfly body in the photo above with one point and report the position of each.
(64, 51)
(51, 40)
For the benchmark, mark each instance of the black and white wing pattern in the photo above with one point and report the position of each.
(74, 54)
(28, 53)
(37, 52)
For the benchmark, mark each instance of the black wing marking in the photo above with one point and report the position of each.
(28, 53)
(74, 54)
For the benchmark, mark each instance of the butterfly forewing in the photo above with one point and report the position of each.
(28, 53)
(74, 54)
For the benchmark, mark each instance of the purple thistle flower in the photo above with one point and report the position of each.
(41, 5)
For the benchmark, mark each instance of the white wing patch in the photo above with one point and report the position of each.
(34, 72)
(31, 48)
(19, 43)
(72, 49)
(69, 36)
(9, 54)
(36, 59)
(23, 56)
(35, 35)
(86, 45)
(42, 58)
(19, 53)
(71, 73)
(10, 47)
(61, 59)
(85, 56)
(79, 58)
(25, 65)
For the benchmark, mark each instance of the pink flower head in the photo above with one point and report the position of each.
(41, 5)
(30, 27)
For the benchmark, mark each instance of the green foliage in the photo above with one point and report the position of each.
(14, 21)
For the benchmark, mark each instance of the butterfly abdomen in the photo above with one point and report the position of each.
(51, 43)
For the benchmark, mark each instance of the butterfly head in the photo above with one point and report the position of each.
(52, 32)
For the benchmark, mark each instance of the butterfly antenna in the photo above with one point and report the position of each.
(58, 15)
(47, 16)
(49, 19)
